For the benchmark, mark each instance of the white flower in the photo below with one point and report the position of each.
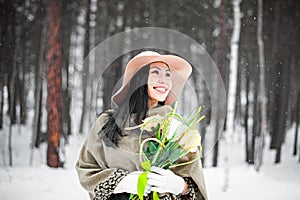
(190, 140)
(177, 128)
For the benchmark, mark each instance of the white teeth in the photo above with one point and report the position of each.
(160, 89)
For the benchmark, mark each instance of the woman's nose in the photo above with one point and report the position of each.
(161, 81)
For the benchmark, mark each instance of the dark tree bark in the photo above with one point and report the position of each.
(36, 139)
(282, 89)
(256, 120)
(222, 66)
(297, 123)
(238, 107)
(4, 25)
(246, 116)
(67, 25)
(54, 83)
(273, 62)
(23, 60)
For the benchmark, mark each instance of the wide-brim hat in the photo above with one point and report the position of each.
(179, 67)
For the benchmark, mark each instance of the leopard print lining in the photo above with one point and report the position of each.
(105, 189)
(193, 190)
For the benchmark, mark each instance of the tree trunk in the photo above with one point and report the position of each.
(12, 98)
(262, 94)
(92, 62)
(283, 65)
(297, 123)
(86, 69)
(67, 24)
(238, 107)
(23, 60)
(275, 59)
(5, 50)
(222, 58)
(54, 96)
(246, 116)
(36, 126)
(234, 46)
(1, 97)
(233, 67)
(256, 121)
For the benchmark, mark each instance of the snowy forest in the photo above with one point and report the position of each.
(52, 88)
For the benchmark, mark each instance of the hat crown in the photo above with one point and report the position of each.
(147, 53)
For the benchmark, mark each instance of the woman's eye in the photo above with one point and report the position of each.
(155, 72)
(168, 74)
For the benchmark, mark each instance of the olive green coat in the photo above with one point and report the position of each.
(98, 163)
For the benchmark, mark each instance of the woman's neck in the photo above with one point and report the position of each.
(152, 103)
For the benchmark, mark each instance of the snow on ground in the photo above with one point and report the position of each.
(274, 182)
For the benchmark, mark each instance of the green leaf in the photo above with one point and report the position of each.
(155, 196)
(142, 183)
(174, 155)
(146, 165)
(152, 147)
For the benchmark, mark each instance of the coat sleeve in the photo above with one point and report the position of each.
(94, 175)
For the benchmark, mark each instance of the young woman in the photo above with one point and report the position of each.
(108, 166)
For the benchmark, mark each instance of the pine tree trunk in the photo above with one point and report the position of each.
(237, 109)
(255, 125)
(23, 59)
(246, 116)
(275, 59)
(1, 97)
(11, 82)
(283, 65)
(36, 126)
(222, 58)
(67, 24)
(297, 123)
(4, 15)
(54, 96)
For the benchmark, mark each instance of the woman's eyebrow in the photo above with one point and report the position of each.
(159, 68)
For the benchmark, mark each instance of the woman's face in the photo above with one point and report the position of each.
(159, 83)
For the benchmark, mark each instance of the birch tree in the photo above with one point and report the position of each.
(233, 65)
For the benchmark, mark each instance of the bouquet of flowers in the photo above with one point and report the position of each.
(175, 137)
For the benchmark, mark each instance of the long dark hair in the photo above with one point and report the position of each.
(134, 106)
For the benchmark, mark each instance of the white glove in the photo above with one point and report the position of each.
(129, 184)
(163, 181)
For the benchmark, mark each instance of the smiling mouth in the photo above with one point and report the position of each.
(160, 89)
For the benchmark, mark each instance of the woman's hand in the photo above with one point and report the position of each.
(163, 181)
(152, 122)
(129, 184)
